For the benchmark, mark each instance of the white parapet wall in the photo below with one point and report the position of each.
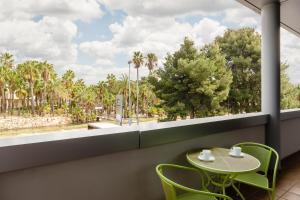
(112, 163)
(290, 132)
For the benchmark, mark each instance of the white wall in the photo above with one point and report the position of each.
(290, 136)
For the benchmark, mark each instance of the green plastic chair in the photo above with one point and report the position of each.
(259, 179)
(171, 188)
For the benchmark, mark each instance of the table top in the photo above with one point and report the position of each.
(224, 163)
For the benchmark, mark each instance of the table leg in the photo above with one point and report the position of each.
(222, 182)
(226, 183)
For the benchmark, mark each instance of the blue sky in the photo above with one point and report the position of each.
(97, 37)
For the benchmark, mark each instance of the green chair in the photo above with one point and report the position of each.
(172, 188)
(259, 179)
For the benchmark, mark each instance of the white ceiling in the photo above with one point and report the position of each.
(289, 12)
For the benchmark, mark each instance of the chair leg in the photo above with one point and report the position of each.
(272, 194)
(238, 191)
(239, 187)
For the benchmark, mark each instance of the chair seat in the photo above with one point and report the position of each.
(193, 196)
(254, 179)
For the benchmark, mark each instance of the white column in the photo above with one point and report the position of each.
(270, 73)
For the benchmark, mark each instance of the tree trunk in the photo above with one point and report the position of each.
(143, 105)
(192, 113)
(52, 104)
(27, 102)
(32, 100)
(36, 101)
(3, 100)
(12, 97)
(44, 92)
(137, 95)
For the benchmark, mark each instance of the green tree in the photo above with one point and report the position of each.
(138, 61)
(151, 62)
(6, 65)
(7, 60)
(3, 78)
(242, 51)
(171, 83)
(30, 72)
(13, 83)
(21, 91)
(123, 89)
(148, 98)
(289, 92)
(68, 82)
(102, 87)
(47, 71)
(193, 82)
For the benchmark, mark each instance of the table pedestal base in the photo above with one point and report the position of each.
(223, 182)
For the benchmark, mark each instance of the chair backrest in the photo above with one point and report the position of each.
(169, 186)
(262, 152)
(169, 189)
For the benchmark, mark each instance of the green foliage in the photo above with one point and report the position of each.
(242, 49)
(151, 61)
(152, 111)
(90, 117)
(138, 59)
(220, 78)
(78, 115)
(289, 93)
(46, 109)
(193, 82)
(243, 56)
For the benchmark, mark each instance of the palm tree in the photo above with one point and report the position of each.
(112, 83)
(108, 102)
(21, 92)
(57, 91)
(89, 101)
(68, 81)
(151, 61)
(123, 85)
(47, 72)
(30, 71)
(138, 61)
(3, 77)
(38, 88)
(12, 81)
(102, 87)
(7, 60)
(6, 64)
(78, 92)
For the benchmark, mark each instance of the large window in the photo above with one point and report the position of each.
(63, 66)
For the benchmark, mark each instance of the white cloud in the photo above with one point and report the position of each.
(101, 51)
(84, 10)
(207, 30)
(148, 34)
(242, 16)
(92, 74)
(47, 29)
(44, 30)
(49, 38)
